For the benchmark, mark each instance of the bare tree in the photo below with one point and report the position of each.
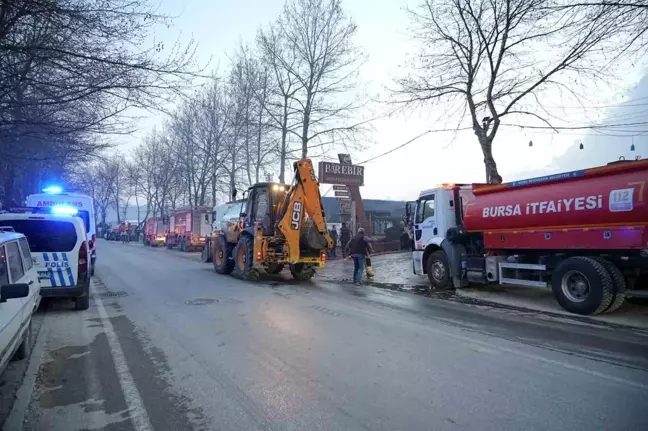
(496, 59)
(279, 58)
(316, 48)
(70, 69)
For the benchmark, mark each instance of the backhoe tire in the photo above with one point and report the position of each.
(244, 259)
(582, 285)
(618, 281)
(222, 256)
(438, 271)
(302, 272)
(205, 256)
(273, 268)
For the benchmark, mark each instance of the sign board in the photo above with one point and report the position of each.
(345, 194)
(341, 188)
(346, 209)
(337, 173)
(345, 159)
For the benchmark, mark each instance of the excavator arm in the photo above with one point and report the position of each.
(302, 199)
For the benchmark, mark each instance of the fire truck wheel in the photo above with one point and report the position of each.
(244, 258)
(273, 268)
(582, 285)
(618, 281)
(222, 256)
(438, 270)
(169, 245)
(302, 272)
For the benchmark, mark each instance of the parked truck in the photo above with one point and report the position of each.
(154, 231)
(584, 233)
(223, 216)
(188, 228)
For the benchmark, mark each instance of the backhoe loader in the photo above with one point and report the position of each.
(279, 225)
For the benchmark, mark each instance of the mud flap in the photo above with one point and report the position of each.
(454, 253)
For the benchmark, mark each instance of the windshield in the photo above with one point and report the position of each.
(45, 235)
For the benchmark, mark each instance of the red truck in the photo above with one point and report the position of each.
(154, 232)
(584, 233)
(188, 228)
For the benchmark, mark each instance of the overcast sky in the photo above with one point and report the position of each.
(219, 25)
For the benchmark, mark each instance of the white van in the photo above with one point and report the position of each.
(84, 205)
(19, 296)
(59, 251)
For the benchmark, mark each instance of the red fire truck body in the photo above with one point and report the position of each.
(603, 208)
(154, 232)
(584, 233)
(188, 228)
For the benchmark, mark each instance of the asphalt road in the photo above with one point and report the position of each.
(168, 344)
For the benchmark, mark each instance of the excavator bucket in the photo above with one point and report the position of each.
(312, 239)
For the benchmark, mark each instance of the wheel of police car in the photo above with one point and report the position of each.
(222, 256)
(438, 270)
(83, 302)
(582, 285)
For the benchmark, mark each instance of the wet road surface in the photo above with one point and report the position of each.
(167, 344)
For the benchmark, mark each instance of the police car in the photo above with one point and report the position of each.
(19, 296)
(60, 250)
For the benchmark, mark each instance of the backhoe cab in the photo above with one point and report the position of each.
(279, 225)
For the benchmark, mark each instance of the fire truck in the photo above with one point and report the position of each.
(188, 228)
(154, 232)
(584, 233)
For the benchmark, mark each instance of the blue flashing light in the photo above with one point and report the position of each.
(53, 189)
(64, 210)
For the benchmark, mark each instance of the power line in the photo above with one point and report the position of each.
(513, 125)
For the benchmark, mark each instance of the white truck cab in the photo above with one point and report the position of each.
(433, 216)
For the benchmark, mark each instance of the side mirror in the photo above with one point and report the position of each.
(243, 215)
(13, 291)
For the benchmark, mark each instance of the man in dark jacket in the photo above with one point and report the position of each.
(345, 236)
(358, 248)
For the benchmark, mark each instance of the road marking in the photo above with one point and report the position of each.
(139, 416)
(23, 396)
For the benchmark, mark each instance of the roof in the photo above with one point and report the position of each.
(8, 236)
(372, 206)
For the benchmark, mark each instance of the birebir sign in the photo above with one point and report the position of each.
(337, 173)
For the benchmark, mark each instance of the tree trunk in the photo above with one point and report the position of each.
(492, 175)
(284, 143)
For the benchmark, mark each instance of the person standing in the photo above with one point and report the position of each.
(345, 236)
(334, 236)
(358, 248)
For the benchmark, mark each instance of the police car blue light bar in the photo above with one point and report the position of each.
(64, 210)
(53, 189)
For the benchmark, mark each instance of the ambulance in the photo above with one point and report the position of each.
(84, 204)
